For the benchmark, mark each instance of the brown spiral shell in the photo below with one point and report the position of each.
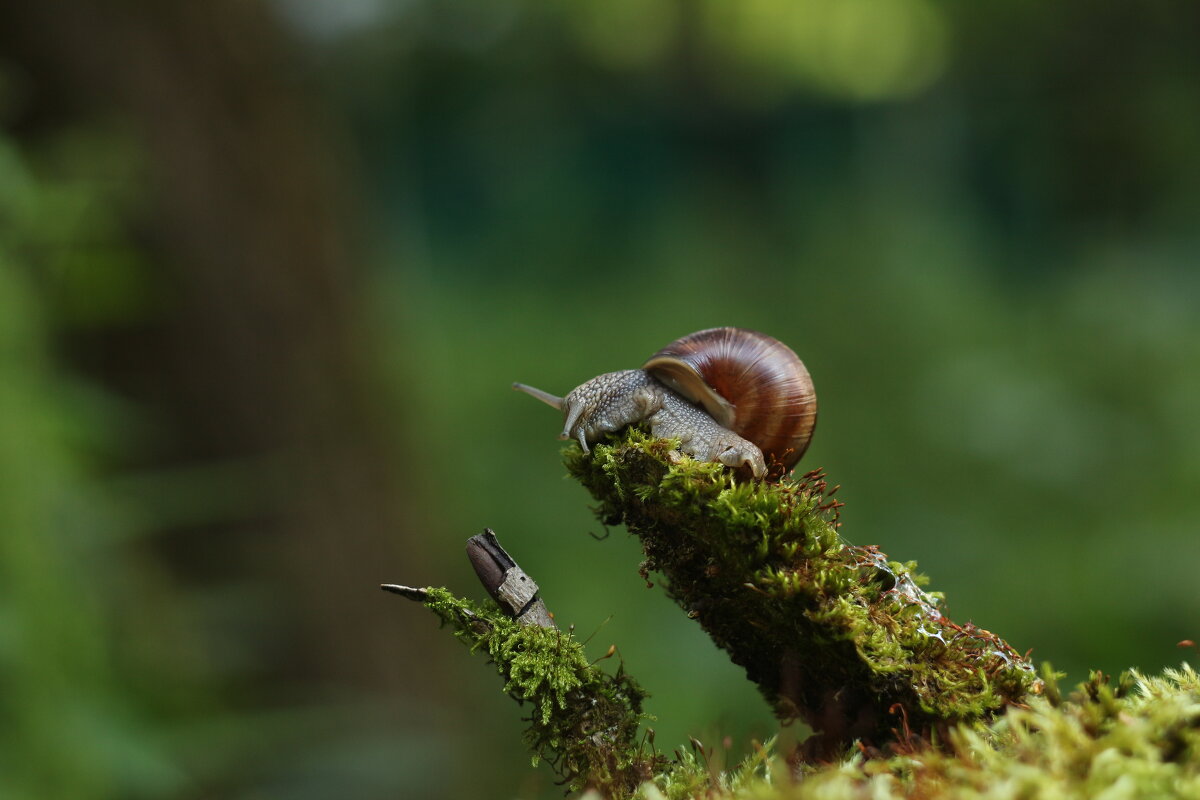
(749, 382)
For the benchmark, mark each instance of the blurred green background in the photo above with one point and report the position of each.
(268, 270)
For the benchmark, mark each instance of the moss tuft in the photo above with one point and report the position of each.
(1139, 738)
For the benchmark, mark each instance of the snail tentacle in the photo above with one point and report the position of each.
(549, 399)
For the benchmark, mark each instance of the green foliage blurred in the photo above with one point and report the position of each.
(69, 641)
(975, 222)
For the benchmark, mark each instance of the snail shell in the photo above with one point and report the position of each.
(750, 383)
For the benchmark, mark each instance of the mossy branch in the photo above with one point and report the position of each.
(832, 633)
(584, 722)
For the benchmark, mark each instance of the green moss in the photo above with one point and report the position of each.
(910, 704)
(584, 721)
(692, 775)
(832, 633)
(1138, 739)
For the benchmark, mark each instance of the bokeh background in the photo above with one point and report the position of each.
(267, 270)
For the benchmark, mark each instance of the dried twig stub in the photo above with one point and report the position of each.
(506, 582)
(419, 595)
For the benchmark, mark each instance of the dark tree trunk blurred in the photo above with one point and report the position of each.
(254, 355)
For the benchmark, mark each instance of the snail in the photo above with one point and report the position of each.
(728, 394)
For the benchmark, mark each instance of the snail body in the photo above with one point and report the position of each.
(731, 395)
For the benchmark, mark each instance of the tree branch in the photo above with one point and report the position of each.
(585, 722)
(834, 634)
